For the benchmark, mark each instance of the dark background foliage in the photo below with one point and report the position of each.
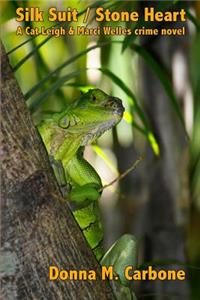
(158, 79)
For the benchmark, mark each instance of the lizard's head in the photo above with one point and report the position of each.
(92, 114)
(96, 102)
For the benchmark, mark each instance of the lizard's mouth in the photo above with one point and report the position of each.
(113, 110)
(119, 111)
(115, 104)
(97, 131)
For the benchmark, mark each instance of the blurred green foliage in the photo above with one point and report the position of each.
(51, 71)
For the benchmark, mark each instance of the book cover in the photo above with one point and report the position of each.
(100, 149)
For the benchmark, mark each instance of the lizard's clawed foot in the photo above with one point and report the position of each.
(85, 192)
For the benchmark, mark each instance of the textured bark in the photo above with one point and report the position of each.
(38, 229)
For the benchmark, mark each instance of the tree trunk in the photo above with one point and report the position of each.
(38, 229)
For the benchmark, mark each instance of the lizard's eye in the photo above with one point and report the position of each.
(94, 98)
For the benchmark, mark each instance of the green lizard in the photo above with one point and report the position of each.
(65, 134)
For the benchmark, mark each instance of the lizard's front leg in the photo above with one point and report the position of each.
(84, 196)
(85, 185)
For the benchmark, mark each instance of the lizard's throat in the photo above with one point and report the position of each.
(97, 131)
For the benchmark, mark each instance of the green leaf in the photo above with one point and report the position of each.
(29, 40)
(194, 20)
(154, 143)
(23, 60)
(48, 92)
(129, 39)
(57, 70)
(123, 86)
(99, 151)
(135, 108)
(163, 77)
(20, 45)
(129, 119)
